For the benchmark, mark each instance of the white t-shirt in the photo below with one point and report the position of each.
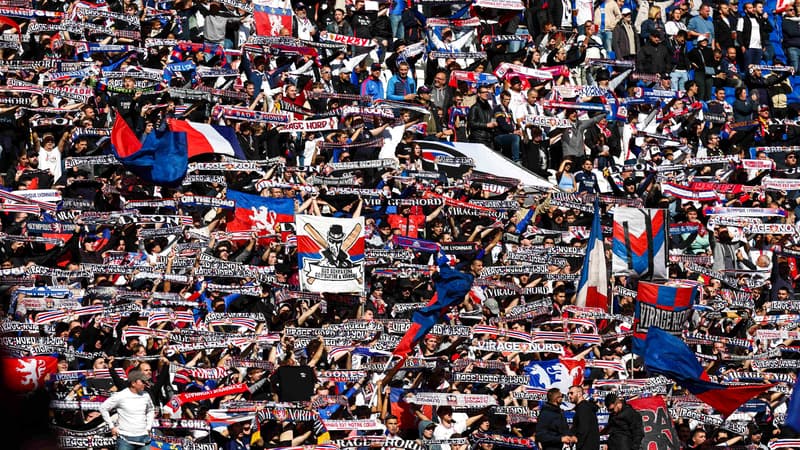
(585, 11)
(50, 160)
(442, 432)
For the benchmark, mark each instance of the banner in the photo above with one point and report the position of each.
(639, 243)
(310, 125)
(663, 306)
(659, 433)
(330, 254)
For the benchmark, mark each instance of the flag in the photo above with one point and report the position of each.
(451, 288)
(668, 355)
(262, 215)
(639, 243)
(659, 433)
(593, 286)
(203, 138)
(28, 373)
(560, 373)
(271, 16)
(161, 159)
(330, 253)
(665, 306)
(793, 411)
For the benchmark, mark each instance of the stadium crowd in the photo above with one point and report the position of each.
(163, 302)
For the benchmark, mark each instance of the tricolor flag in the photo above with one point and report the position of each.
(203, 138)
(593, 286)
(667, 355)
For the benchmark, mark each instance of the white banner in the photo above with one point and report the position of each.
(330, 254)
(311, 125)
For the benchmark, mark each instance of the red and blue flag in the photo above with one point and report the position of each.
(162, 158)
(668, 355)
(451, 288)
(665, 306)
(260, 215)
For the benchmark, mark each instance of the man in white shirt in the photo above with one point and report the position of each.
(50, 156)
(135, 413)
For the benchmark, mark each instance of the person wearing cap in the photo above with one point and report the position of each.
(654, 56)
(135, 413)
(373, 86)
(401, 87)
(343, 84)
(625, 428)
(606, 16)
(624, 41)
(518, 97)
(701, 59)
(302, 26)
(49, 154)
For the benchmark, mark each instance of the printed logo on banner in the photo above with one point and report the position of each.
(330, 254)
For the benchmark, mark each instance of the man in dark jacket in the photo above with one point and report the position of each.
(584, 424)
(654, 55)
(480, 120)
(552, 431)
(791, 37)
(625, 428)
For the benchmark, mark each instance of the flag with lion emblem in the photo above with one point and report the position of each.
(259, 215)
(330, 254)
(28, 373)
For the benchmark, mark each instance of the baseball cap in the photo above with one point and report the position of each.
(626, 11)
(701, 38)
(423, 90)
(763, 108)
(300, 5)
(376, 66)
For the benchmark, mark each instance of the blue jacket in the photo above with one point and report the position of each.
(373, 88)
(397, 88)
